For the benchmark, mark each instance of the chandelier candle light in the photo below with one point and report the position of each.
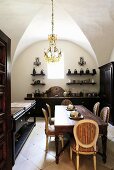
(52, 54)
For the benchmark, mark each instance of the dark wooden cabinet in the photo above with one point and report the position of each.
(52, 101)
(5, 104)
(107, 88)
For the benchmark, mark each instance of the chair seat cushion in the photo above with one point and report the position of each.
(51, 130)
(52, 121)
(81, 149)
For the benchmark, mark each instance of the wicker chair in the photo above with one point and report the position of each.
(50, 130)
(104, 114)
(50, 119)
(96, 108)
(85, 137)
(66, 102)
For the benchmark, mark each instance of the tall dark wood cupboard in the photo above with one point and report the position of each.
(107, 87)
(5, 104)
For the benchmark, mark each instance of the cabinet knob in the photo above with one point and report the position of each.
(21, 120)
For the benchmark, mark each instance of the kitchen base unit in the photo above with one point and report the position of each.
(23, 123)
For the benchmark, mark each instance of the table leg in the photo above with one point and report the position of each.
(56, 146)
(104, 147)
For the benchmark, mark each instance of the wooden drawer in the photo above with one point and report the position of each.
(19, 122)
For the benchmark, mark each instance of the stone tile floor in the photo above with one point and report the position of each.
(34, 157)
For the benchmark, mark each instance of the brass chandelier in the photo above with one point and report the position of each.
(52, 54)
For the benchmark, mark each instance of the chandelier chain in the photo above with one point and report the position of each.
(52, 54)
(52, 18)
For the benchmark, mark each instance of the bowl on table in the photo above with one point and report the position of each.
(70, 107)
(76, 115)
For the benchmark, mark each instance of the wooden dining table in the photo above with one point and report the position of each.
(64, 124)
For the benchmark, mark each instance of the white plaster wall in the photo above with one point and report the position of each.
(112, 56)
(23, 66)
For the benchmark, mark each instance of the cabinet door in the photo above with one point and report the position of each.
(106, 88)
(106, 84)
(5, 100)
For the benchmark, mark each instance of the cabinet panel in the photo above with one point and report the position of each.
(2, 154)
(5, 102)
(2, 103)
(106, 88)
(108, 84)
(2, 53)
(2, 129)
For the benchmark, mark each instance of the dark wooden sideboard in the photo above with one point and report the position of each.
(52, 101)
(22, 124)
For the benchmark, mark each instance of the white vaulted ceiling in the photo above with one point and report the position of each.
(88, 23)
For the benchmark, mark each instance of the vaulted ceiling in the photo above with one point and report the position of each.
(88, 23)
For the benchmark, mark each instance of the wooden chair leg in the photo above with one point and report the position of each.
(77, 161)
(70, 153)
(46, 142)
(62, 141)
(94, 161)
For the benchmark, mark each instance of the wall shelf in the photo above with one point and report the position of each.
(79, 74)
(80, 83)
(38, 74)
(34, 84)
